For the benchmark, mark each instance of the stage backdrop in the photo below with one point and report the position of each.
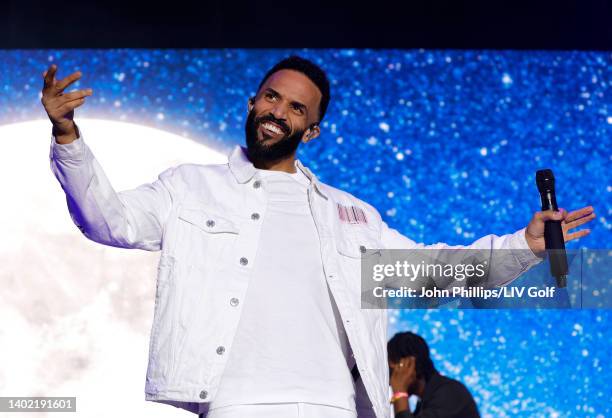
(444, 143)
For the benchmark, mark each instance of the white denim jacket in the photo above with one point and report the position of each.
(206, 220)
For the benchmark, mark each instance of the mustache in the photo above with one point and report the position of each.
(271, 118)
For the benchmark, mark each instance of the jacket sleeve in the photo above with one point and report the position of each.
(127, 219)
(505, 266)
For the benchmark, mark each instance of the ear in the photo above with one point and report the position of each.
(311, 133)
(251, 103)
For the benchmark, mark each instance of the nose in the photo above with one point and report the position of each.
(279, 111)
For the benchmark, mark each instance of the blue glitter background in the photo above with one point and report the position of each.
(444, 143)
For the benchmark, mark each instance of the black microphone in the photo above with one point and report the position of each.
(553, 234)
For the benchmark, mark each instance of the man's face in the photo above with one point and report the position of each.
(280, 116)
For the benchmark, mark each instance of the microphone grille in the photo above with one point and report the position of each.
(545, 180)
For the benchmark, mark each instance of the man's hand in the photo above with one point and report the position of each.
(403, 375)
(59, 106)
(535, 230)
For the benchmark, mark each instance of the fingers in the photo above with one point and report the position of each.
(576, 235)
(575, 219)
(62, 84)
(579, 221)
(579, 213)
(551, 215)
(49, 77)
(57, 103)
(571, 219)
(52, 86)
(74, 95)
(67, 107)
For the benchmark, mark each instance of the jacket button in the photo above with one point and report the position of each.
(256, 184)
(234, 301)
(255, 216)
(203, 394)
(244, 261)
(210, 223)
(220, 350)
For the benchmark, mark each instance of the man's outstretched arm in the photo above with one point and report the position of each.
(128, 219)
(528, 241)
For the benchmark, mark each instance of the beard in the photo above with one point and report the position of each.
(259, 151)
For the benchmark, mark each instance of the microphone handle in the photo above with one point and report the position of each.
(555, 247)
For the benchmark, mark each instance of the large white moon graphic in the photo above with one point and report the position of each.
(76, 315)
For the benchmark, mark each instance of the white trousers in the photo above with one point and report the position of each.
(281, 410)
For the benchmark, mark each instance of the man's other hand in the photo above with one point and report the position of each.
(535, 230)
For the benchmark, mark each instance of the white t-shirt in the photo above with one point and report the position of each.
(290, 345)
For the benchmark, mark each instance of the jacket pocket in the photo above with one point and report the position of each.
(204, 235)
(358, 253)
(363, 243)
(208, 220)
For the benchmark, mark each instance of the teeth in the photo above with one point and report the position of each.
(272, 128)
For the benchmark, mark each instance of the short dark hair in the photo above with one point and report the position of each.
(310, 70)
(405, 344)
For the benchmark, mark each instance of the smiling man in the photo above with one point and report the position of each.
(257, 309)
(278, 122)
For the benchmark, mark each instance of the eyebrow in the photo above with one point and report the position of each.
(295, 102)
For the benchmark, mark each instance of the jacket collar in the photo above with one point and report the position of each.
(244, 170)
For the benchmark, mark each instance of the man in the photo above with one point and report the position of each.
(413, 373)
(257, 308)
